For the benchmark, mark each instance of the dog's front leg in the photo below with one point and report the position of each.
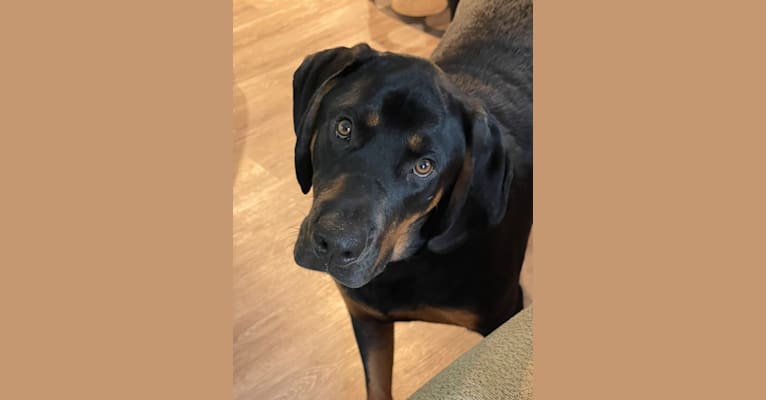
(375, 339)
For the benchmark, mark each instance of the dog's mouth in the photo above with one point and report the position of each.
(352, 275)
(355, 275)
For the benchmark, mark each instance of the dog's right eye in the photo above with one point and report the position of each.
(423, 167)
(343, 129)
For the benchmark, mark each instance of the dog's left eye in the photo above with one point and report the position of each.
(423, 167)
(343, 129)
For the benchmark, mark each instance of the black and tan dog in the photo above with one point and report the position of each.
(422, 176)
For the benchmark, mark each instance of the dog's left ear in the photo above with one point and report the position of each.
(311, 82)
(480, 193)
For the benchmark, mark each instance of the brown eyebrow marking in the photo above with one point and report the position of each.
(415, 142)
(373, 119)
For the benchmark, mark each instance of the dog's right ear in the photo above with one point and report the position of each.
(311, 82)
(480, 194)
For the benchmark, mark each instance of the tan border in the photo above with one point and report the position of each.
(649, 142)
(649, 172)
(116, 201)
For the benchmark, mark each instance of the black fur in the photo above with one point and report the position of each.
(471, 104)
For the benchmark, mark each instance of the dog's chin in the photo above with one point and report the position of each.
(355, 275)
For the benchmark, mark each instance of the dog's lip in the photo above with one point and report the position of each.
(373, 269)
(348, 285)
(352, 282)
(366, 261)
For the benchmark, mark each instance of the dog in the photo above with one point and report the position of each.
(422, 178)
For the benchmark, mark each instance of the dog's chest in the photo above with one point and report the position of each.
(400, 304)
(426, 292)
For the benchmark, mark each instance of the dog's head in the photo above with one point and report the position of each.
(388, 143)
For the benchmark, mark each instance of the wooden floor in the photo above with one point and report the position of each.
(292, 335)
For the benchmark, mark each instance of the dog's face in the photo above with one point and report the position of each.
(382, 139)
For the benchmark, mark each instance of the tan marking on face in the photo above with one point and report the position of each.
(331, 191)
(415, 142)
(452, 316)
(399, 237)
(373, 119)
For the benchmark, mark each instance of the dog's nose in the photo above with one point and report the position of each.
(336, 245)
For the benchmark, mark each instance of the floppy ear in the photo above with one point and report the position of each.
(480, 193)
(311, 82)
